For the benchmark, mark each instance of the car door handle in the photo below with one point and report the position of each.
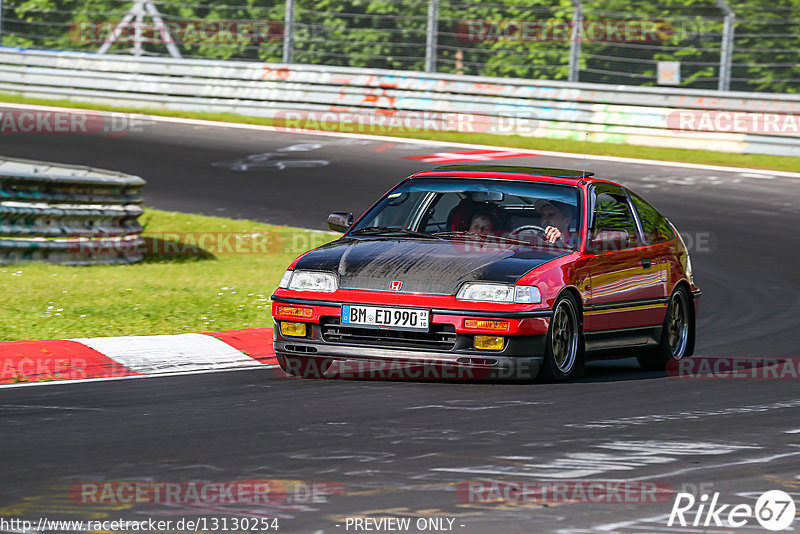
(646, 263)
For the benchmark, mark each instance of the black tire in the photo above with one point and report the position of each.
(676, 334)
(304, 366)
(564, 347)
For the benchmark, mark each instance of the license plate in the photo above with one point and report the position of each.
(382, 317)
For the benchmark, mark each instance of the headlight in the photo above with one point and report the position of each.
(313, 281)
(284, 283)
(500, 293)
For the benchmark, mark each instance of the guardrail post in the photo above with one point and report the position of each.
(575, 41)
(288, 32)
(431, 40)
(726, 52)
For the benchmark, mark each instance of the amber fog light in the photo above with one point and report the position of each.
(490, 342)
(293, 329)
(295, 311)
(482, 324)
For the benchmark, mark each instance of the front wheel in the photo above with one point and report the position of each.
(564, 356)
(674, 334)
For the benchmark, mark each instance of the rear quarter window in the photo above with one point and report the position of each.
(612, 211)
(656, 227)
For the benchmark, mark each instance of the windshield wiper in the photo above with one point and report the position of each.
(506, 239)
(381, 230)
(490, 237)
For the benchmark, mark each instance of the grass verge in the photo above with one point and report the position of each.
(165, 294)
(757, 161)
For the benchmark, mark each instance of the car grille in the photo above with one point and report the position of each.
(440, 337)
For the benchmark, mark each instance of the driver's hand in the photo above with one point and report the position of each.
(552, 233)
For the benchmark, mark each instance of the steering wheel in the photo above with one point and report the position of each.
(515, 233)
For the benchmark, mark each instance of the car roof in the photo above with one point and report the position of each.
(509, 172)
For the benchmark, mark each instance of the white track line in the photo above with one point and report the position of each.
(761, 460)
(110, 378)
(263, 128)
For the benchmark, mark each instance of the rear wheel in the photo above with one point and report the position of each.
(563, 356)
(674, 334)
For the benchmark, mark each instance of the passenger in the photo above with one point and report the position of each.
(482, 222)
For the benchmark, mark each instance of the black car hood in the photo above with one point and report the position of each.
(429, 266)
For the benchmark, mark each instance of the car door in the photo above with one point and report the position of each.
(625, 298)
(658, 236)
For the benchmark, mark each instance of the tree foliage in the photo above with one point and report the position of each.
(392, 33)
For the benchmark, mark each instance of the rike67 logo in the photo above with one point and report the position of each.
(774, 510)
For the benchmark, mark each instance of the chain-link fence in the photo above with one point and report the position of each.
(745, 45)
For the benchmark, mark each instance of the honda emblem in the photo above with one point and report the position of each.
(395, 285)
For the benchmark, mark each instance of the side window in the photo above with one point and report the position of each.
(655, 226)
(613, 212)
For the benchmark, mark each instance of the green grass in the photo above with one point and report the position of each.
(758, 161)
(162, 295)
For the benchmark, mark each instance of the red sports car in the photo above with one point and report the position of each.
(469, 271)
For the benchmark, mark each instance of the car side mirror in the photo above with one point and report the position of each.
(340, 221)
(608, 240)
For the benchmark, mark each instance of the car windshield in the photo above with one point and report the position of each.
(514, 212)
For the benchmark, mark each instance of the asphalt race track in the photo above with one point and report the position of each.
(407, 449)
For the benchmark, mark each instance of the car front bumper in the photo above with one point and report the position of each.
(445, 351)
(349, 361)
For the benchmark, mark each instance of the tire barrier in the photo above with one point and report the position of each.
(68, 214)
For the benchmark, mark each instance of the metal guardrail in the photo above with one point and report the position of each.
(558, 110)
(68, 214)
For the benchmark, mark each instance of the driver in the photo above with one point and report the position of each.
(555, 221)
